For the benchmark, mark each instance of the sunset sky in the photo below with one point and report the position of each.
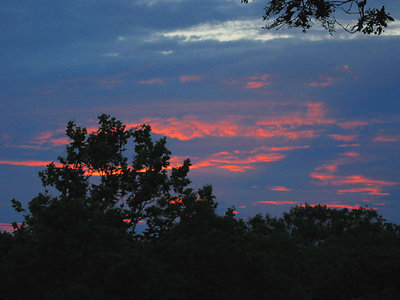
(271, 119)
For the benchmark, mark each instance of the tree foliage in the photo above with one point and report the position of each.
(302, 14)
(84, 236)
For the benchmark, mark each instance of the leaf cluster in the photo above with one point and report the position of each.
(303, 13)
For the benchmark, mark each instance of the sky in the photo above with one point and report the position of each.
(272, 119)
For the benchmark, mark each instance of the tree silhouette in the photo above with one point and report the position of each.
(81, 239)
(299, 13)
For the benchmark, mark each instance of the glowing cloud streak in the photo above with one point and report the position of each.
(279, 189)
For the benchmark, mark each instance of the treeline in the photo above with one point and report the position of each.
(80, 239)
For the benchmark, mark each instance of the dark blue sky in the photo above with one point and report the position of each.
(270, 118)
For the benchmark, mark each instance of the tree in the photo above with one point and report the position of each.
(78, 230)
(302, 13)
(81, 239)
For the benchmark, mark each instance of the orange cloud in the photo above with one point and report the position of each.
(327, 167)
(189, 127)
(60, 141)
(325, 178)
(351, 154)
(190, 78)
(254, 84)
(28, 163)
(369, 190)
(152, 81)
(362, 180)
(345, 138)
(364, 184)
(235, 168)
(288, 148)
(237, 161)
(277, 202)
(279, 189)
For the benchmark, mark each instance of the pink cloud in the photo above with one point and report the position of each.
(346, 69)
(349, 145)
(7, 227)
(323, 81)
(385, 139)
(352, 124)
(344, 138)
(60, 141)
(190, 78)
(152, 81)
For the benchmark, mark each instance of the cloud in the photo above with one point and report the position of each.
(28, 163)
(349, 145)
(323, 81)
(279, 189)
(236, 168)
(352, 124)
(155, 2)
(152, 81)
(189, 128)
(363, 184)
(190, 78)
(252, 82)
(386, 139)
(344, 138)
(290, 125)
(237, 161)
(111, 54)
(7, 227)
(285, 148)
(227, 31)
(326, 174)
(351, 154)
(368, 190)
(276, 202)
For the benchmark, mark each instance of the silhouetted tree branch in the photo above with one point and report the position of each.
(303, 14)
